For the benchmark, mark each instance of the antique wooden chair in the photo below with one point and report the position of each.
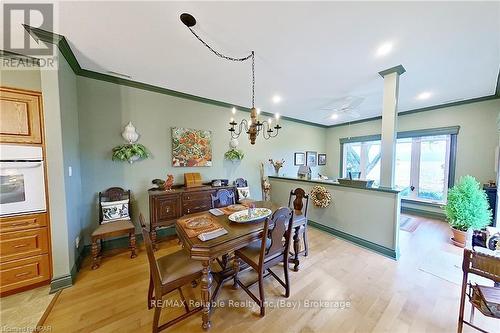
(270, 251)
(116, 228)
(222, 198)
(485, 299)
(299, 205)
(166, 274)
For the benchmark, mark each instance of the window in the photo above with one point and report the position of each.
(424, 162)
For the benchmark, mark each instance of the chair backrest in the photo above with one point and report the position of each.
(222, 198)
(240, 182)
(153, 265)
(276, 227)
(482, 264)
(298, 196)
(113, 194)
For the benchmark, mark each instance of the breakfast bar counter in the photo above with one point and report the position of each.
(368, 217)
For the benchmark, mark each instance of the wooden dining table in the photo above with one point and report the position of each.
(238, 236)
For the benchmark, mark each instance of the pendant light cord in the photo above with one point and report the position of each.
(220, 55)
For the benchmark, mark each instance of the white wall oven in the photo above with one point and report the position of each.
(22, 180)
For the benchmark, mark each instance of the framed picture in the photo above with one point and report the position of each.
(191, 147)
(311, 158)
(299, 159)
(321, 159)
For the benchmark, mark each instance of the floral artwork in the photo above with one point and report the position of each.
(191, 148)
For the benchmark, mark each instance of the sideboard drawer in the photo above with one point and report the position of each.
(195, 196)
(22, 244)
(22, 222)
(24, 272)
(191, 207)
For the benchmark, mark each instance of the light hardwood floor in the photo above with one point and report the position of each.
(385, 295)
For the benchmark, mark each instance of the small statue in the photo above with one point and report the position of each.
(169, 182)
(265, 185)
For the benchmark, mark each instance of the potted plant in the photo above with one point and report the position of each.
(234, 155)
(467, 208)
(130, 152)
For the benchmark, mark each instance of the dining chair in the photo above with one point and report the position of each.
(114, 221)
(271, 250)
(299, 202)
(484, 298)
(222, 198)
(168, 273)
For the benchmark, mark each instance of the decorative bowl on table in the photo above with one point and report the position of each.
(243, 217)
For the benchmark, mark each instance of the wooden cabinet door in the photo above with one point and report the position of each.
(167, 208)
(20, 114)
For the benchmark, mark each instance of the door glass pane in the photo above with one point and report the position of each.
(372, 171)
(352, 157)
(402, 175)
(12, 189)
(432, 168)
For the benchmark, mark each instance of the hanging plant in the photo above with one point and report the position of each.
(320, 196)
(234, 155)
(130, 152)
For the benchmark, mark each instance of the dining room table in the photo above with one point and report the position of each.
(238, 236)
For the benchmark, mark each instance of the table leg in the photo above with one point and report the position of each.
(206, 284)
(95, 254)
(132, 244)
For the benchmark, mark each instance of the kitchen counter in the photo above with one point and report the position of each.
(368, 217)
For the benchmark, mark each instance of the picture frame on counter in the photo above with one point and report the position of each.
(299, 159)
(311, 158)
(321, 159)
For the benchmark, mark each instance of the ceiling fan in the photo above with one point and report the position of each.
(346, 107)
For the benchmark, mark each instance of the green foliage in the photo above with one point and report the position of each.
(129, 152)
(467, 205)
(234, 154)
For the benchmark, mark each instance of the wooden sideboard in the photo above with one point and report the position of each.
(165, 207)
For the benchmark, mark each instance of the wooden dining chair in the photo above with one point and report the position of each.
(222, 198)
(108, 227)
(299, 202)
(484, 298)
(266, 253)
(168, 273)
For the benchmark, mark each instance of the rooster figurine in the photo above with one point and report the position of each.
(169, 183)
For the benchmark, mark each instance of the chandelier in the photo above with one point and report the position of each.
(254, 126)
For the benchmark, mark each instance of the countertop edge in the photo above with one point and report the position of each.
(322, 182)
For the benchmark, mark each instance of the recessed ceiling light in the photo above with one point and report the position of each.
(424, 95)
(334, 116)
(276, 99)
(384, 49)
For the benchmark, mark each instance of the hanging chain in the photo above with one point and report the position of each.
(217, 53)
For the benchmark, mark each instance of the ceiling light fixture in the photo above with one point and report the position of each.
(424, 95)
(253, 126)
(276, 99)
(334, 116)
(384, 49)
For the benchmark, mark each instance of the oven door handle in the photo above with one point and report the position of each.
(19, 165)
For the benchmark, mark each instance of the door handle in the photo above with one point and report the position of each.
(20, 245)
(22, 274)
(412, 188)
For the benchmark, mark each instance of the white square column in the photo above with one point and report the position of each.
(389, 125)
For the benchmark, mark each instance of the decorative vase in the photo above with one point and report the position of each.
(133, 159)
(277, 170)
(459, 237)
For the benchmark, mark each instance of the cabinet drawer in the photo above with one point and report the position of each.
(22, 244)
(23, 222)
(167, 208)
(24, 272)
(196, 206)
(195, 196)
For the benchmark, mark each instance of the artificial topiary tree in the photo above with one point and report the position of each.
(467, 205)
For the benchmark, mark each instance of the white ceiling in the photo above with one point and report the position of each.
(311, 54)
